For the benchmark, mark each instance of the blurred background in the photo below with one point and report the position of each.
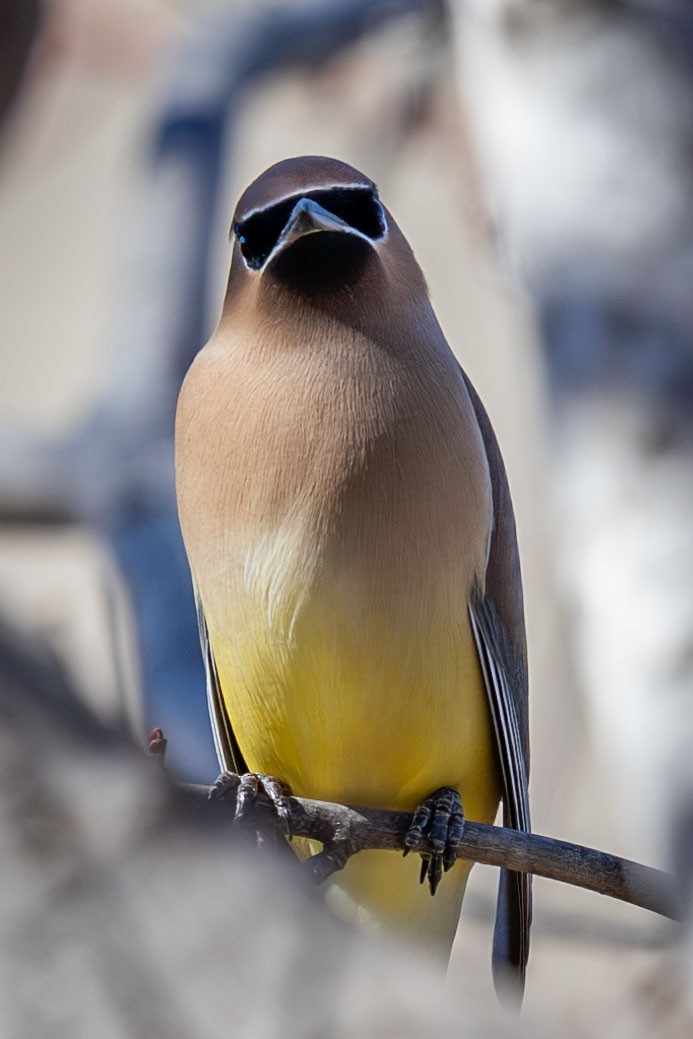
(537, 154)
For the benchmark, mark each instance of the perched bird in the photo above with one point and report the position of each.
(351, 537)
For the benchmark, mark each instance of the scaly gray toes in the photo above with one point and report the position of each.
(247, 788)
(440, 820)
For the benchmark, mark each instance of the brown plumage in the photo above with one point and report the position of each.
(351, 539)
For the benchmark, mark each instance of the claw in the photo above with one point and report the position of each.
(224, 785)
(440, 820)
(435, 872)
(247, 788)
(246, 795)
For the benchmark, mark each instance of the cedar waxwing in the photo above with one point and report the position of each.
(351, 537)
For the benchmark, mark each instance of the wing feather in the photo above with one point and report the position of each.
(497, 619)
(515, 896)
(505, 723)
(228, 752)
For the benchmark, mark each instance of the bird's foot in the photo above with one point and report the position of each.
(440, 820)
(247, 788)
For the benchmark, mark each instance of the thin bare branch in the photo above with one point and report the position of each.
(344, 831)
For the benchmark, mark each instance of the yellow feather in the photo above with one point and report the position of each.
(347, 704)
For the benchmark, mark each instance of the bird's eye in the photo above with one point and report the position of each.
(259, 233)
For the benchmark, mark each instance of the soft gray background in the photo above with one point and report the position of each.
(72, 161)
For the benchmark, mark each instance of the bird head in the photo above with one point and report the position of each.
(314, 230)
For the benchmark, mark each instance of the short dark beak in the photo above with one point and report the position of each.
(308, 217)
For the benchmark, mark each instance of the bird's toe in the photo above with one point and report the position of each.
(438, 820)
(247, 788)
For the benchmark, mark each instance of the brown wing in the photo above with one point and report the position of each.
(497, 617)
(228, 752)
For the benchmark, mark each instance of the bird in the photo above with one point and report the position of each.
(351, 538)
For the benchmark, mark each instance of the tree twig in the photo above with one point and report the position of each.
(344, 831)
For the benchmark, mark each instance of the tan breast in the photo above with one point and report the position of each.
(365, 462)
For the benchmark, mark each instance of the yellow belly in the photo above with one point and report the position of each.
(364, 709)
